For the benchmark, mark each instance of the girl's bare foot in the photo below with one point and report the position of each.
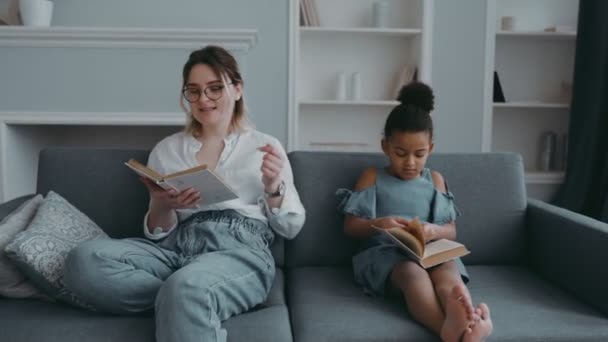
(482, 328)
(459, 315)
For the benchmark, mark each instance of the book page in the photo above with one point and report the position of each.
(439, 246)
(211, 187)
(408, 239)
(440, 251)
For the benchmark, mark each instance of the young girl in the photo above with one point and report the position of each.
(393, 196)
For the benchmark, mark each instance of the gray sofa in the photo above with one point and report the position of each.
(540, 268)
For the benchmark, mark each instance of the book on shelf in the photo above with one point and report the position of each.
(309, 14)
(304, 21)
(498, 95)
(210, 186)
(411, 240)
(406, 75)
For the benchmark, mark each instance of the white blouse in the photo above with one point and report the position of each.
(239, 166)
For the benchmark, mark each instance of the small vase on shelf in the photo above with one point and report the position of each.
(36, 12)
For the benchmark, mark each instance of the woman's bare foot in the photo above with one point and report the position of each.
(459, 315)
(482, 328)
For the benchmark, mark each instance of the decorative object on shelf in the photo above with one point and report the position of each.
(36, 12)
(341, 86)
(355, 86)
(507, 23)
(9, 13)
(407, 74)
(380, 14)
(499, 96)
(548, 142)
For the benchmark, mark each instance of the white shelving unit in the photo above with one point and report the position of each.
(535, 70)
(345, 42)
(24, 132)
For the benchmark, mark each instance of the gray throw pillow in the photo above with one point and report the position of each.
(40, 250)
(13, 284)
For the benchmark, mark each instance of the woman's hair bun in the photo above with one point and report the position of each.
(417, 94)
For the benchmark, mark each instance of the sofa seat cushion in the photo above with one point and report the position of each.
(326, 305)
(33, 320)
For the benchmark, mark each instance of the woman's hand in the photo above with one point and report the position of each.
(390, 222)
(171, 199)
(272, 165)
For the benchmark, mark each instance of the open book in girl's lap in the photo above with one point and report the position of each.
(427, 255)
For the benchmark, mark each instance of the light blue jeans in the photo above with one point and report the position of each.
(212, 266)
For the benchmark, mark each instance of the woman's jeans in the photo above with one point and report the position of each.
(212, 266)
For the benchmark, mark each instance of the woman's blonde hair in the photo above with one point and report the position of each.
(226, 68)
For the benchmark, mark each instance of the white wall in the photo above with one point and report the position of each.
(265, 85)
(458, 74)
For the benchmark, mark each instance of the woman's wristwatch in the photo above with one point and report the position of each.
(280, 191)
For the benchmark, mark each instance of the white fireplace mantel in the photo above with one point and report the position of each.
(23, 132)
(239, 40)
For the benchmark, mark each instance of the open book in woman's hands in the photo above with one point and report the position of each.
(211, 187)
(411, 240)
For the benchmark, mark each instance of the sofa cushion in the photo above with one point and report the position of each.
(56, 322)
(489, 190)
(13, 283)
(326, 305)
(40, 250)
(69, 171)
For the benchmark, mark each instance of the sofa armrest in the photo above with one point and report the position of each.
(570, 250)
(8, 207)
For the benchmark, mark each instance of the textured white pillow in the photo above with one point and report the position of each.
(41, 249)
(13, 283)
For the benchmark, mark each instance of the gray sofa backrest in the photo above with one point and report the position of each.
(489, 190)
(97, 182)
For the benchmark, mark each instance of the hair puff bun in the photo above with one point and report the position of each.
(417, 94)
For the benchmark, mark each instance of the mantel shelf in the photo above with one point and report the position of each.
(93, 118)
(110, 37)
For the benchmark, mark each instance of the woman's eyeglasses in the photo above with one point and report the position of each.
(212, 92)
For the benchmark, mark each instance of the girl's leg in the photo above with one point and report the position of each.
(455, 300)
(118, 276)
(417, 288)
(193, 302)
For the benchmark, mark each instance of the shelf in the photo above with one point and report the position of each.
(93, 118)
(536, 35)
(348, 103)
(125, 37)
(523, 104)
(399, 32)
(550, 177)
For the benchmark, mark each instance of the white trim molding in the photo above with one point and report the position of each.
(93, 118)
(240, 40)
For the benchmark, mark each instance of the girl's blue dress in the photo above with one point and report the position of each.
(391, 196)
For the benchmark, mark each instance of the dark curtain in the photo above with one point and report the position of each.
(585, 189)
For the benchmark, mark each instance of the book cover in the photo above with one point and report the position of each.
(426, 255)
(211, 187)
